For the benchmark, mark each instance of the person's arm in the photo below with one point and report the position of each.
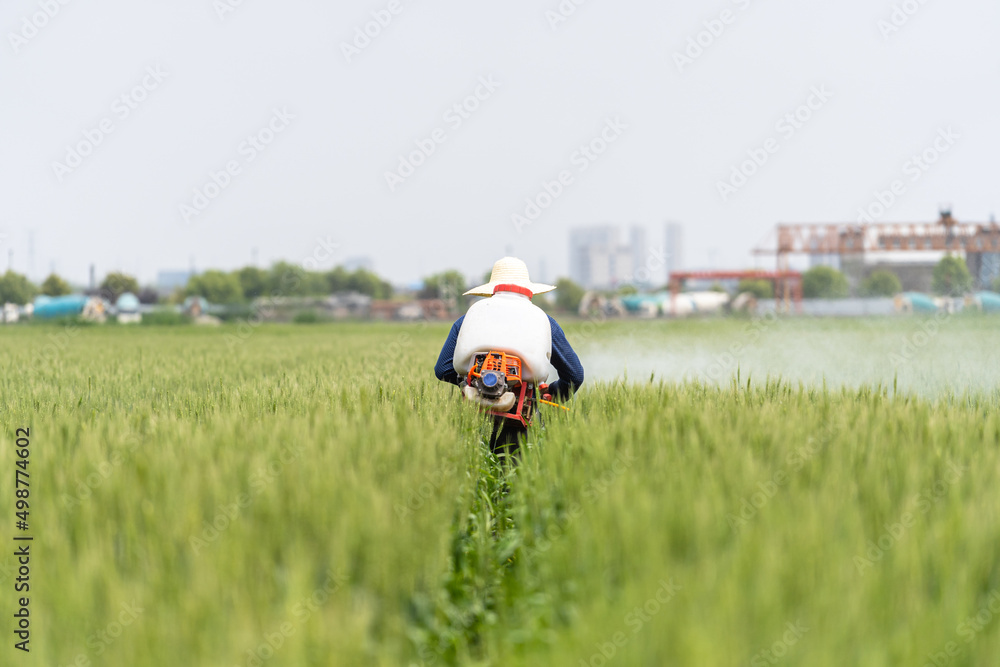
(566, 363)
(445, 368)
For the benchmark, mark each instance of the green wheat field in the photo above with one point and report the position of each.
(723, 492)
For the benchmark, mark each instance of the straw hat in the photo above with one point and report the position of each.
(509, 271)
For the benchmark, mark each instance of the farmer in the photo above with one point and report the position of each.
(509, 321)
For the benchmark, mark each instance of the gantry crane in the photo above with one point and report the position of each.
(979, 242)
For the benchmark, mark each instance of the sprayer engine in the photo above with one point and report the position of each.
(494, 382)
(491, 384)
(493, 373)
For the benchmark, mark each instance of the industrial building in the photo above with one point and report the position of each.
(910, 250)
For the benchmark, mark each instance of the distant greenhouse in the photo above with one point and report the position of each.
(48, 307)
(71, 305)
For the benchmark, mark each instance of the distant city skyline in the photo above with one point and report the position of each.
(610, 255)
(633, 255)
(633, 260)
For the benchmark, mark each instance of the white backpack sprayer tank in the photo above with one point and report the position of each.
(503, 351)
(508, 323)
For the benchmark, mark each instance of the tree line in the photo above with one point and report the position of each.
(950, 277)
(283, 279)
(225, 287)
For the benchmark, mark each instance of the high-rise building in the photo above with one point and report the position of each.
(355, 263)
(641, 264)
(598, 260)
(674, 238)
(582, 241)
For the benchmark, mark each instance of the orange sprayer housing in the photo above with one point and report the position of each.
(501, 362)
(510, 366)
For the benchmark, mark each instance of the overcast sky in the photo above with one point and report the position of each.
(117, 113)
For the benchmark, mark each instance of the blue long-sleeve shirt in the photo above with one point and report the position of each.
(563, 359)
